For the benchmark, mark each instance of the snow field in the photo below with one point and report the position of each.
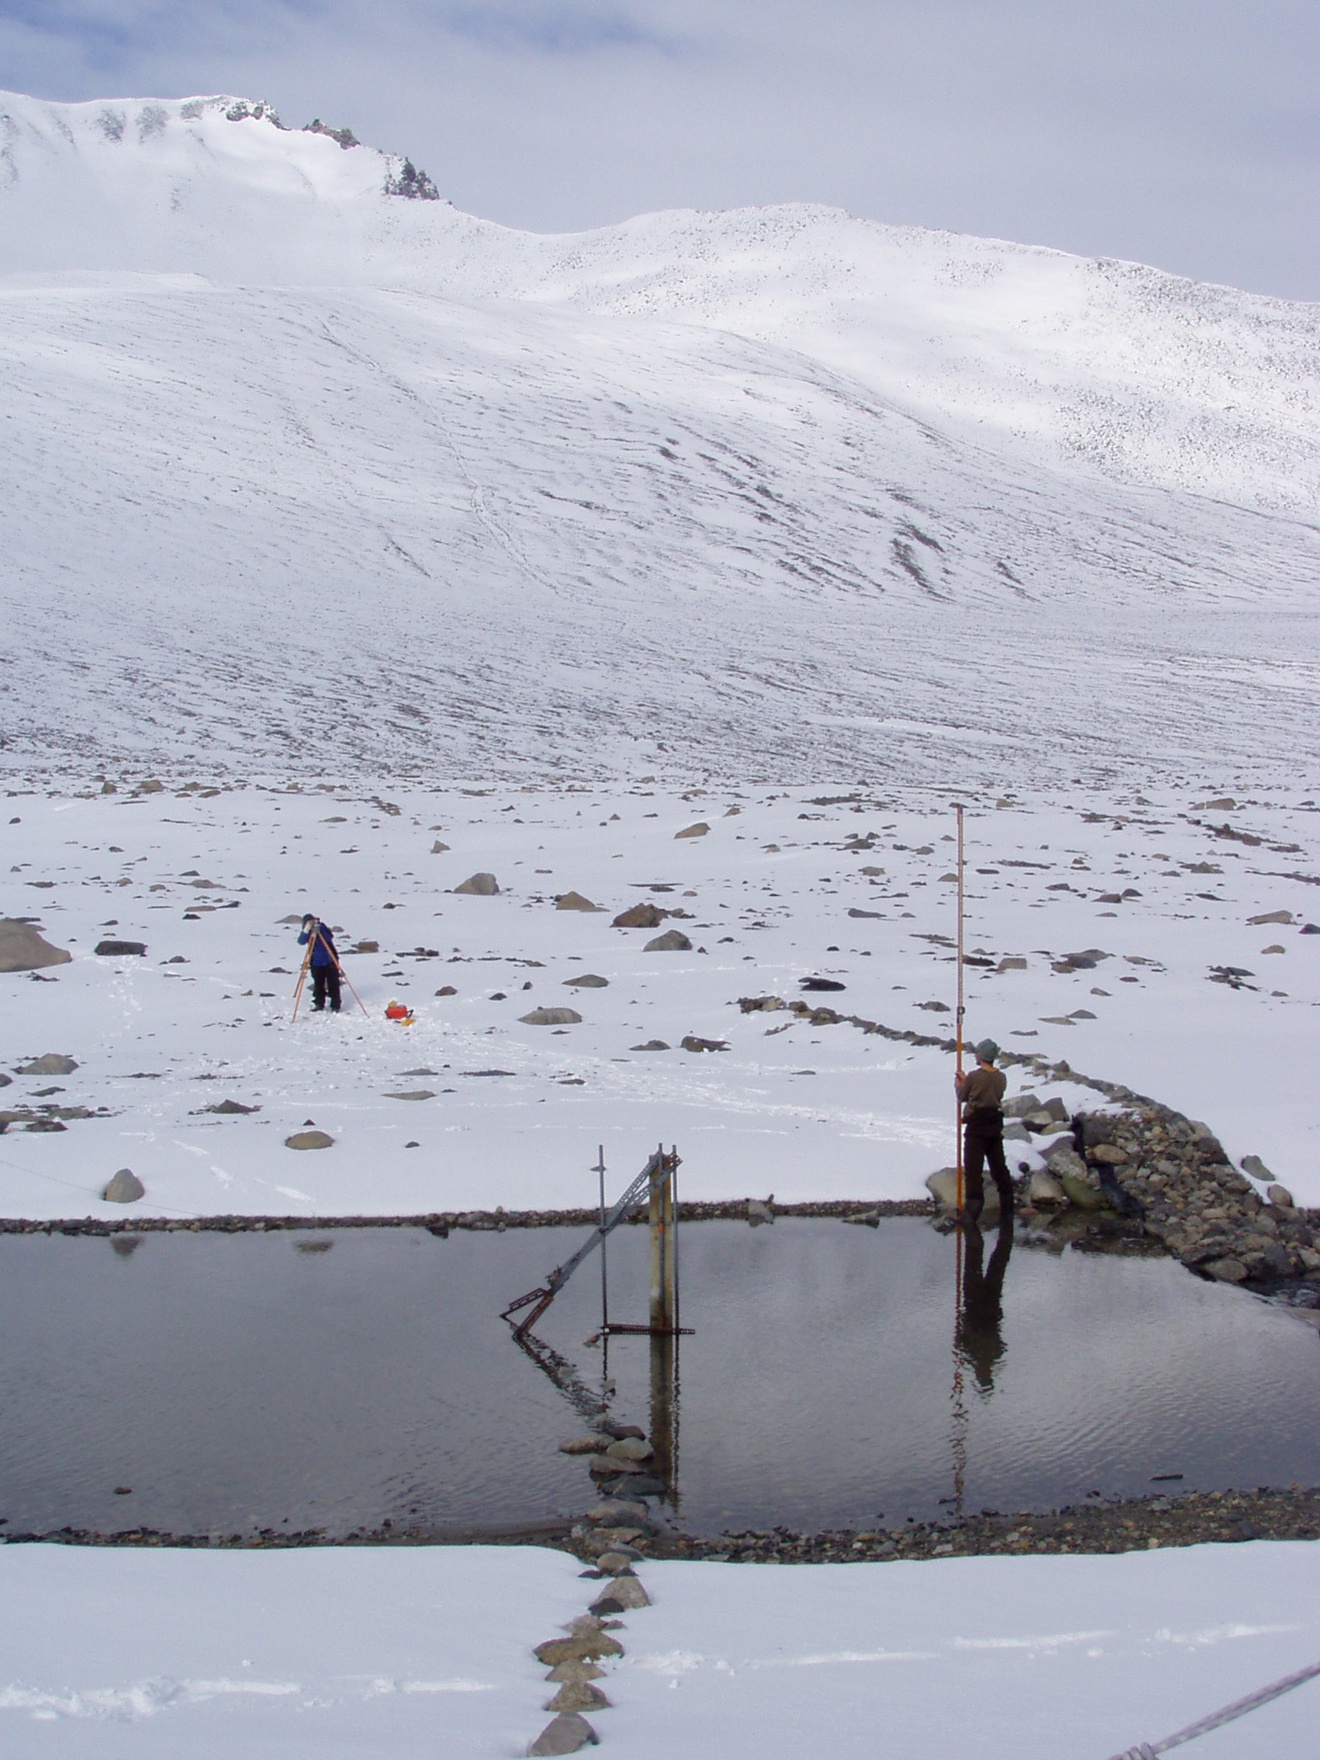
(362, 1651)
(792, 1108)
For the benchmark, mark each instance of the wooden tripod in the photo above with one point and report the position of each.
(312, 940)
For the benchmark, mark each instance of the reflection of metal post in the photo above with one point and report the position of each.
(664, 1408)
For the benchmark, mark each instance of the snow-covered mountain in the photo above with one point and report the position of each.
(303, 470)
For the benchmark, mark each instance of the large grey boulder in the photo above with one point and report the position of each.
(672, 941)
(24, 949)
(698, 830)
(479, 885)
(124, 1188)
(575, 901)
(52, 1063)
(551, 1017)
(309, 1140)
(121, 949)
(640, 916)
(943, 1187)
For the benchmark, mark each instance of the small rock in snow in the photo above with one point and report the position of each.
(124, 1188)
(565, 1735)
(479, 885)
(309, 1140)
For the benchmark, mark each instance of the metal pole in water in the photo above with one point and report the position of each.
(604, 1282)
(958, 1153)
(655, 1221)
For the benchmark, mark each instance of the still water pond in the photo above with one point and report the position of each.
(242, 1382)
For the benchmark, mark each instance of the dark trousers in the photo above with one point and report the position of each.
(325, 979)
(983, 1140)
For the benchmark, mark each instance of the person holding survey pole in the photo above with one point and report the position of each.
(981, 1094)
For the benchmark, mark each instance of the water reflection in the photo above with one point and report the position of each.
(978, 1337)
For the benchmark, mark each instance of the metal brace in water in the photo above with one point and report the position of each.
(659, 1168)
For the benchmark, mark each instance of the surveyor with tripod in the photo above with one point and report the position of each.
(319, 939)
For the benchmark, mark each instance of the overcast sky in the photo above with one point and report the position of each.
(1178, 132)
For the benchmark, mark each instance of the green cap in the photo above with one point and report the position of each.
(987, 1051)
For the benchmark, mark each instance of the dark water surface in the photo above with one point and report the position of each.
(238, 1382)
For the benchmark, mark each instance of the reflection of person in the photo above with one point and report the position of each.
(979, 1338)
(325, 962)
(981, 1092)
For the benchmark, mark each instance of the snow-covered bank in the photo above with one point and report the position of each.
(1179, 994)
(418, 1651)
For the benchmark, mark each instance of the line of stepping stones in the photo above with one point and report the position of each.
(613, 1534)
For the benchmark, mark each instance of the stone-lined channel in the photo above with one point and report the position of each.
(349, 1382)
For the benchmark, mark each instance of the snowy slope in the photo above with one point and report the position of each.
(1143, 375)
(305, 473)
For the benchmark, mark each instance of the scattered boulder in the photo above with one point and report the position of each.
(309, 1140)
(121, 949)
(439, 849)
(575, 1670)
(1022, 1105)
(565, 1735)
(630, 1448)
(1251, 1164)
(623, 1595)
(412, 1094)
(1270, 917)
(479, 886)
(1044, 1190)
(578, 1696)
(822, 984)
(943, 1187)
(1112, 1154)
(574, 901)
(759, 1210)
(612, 1510)
(690, 1042)
(607, 1466)
(698, 830)
(227, 1108)
(24, 949)
(52, 1063)
(1080, 1192)
(551, 1017)
(589, 981)
(1011, 963)
(672, 941)
(640, 916)
(651, 1045)
(1280, 1197)
(615, 1564)
(588, 1648)
(1227, 1270)
(124, 1188)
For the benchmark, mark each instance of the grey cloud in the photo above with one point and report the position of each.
(558, 29)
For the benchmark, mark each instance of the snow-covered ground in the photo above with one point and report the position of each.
(328, 500)
(424, 1651)
(773, 893)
